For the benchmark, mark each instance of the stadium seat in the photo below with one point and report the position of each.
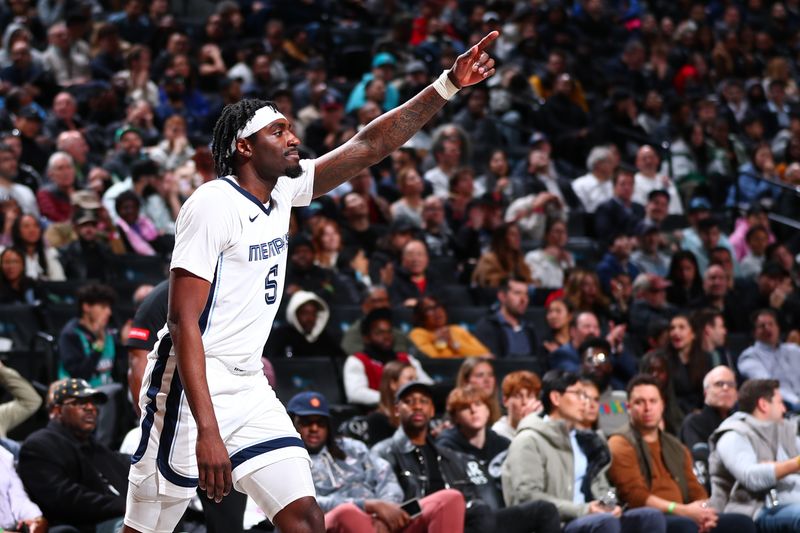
(343, 316)
(466, 316)
(140, 268)
(537, 316)
(453, 295)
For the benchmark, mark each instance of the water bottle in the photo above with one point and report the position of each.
(771, 499)
(609, 500)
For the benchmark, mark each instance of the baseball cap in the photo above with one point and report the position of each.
(330, 101)
(82, 216)
(308, 404)
(382, 59)
(402, 225)
(76, 388)
(413, 386)
(490, 16)
(699, 203)
(29, 112)
(647, 282)
(643, 228)
(85, 199)
(125, 129)
(415, 66)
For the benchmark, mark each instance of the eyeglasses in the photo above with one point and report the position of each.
(724, 384)
(579, 393)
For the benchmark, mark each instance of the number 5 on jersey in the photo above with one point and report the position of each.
(271, 285)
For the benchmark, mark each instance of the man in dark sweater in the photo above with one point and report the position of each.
(720, 395)
(74, 479)
(505, 331)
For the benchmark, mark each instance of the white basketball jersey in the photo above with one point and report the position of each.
(226, 236)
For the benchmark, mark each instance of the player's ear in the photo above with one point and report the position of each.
(243, 147)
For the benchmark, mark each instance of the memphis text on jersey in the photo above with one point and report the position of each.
(265, 250)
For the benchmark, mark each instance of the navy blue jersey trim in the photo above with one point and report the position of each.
(156, 377)
(250, 196)
(245, 454)
(204, 316)
(168, 435)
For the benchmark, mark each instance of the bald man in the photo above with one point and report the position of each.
(720, 395)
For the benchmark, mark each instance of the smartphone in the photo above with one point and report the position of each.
(412, 508)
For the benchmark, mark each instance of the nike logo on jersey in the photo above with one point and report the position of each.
(252, 219)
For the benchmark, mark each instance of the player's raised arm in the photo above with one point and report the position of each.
(388, 132)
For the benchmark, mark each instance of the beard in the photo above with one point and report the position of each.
(294, 171)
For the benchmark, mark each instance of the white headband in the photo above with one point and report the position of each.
(263, 117)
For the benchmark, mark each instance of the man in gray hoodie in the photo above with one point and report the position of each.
(755, 460)
(550, 460)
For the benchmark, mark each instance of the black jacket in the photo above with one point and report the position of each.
(80, 484)
(458, 471)
(612, 217)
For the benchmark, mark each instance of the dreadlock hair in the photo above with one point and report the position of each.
(230, 121)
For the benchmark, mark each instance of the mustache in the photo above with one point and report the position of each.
(292, 151)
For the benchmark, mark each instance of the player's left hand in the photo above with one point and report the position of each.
(475, 64)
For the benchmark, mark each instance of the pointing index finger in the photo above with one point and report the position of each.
(486, 41)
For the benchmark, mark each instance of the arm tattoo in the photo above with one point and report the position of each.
(377, 140)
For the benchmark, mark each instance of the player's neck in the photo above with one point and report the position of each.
(260, 188)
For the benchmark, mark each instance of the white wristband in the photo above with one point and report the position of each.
(444, 86)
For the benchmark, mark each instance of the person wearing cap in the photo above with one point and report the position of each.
(648, 256)
(217, 323)
(363, 369)
(649, 303)
(331, 128)
(620, 212)
(425, 467)
(22, 194)
(74, 479)
(383, 68)
(29, 122)
(416, 78)
(648, 179)
(87, 257)
(54, 199)
(356, 489)
(128, 142)
(617, 260)
(769, 358)
(549, 459)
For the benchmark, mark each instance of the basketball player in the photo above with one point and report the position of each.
(209, 417)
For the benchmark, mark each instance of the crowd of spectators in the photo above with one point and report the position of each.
(618, 201)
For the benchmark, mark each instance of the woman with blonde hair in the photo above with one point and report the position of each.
(479, 372)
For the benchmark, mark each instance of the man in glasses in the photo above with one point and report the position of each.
(549, 459)
(720, 395)
(755, 460)
(74, 479)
